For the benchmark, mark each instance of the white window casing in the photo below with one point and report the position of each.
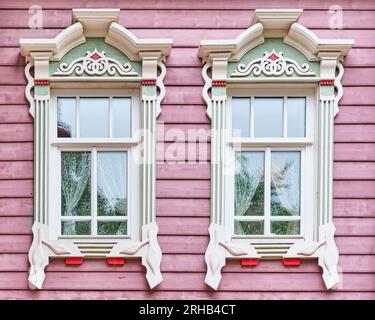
(128, 67)
(275, 56)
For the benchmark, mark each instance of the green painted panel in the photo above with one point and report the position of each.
(149, 91)
(90, 45)
(41, 90)
(218, 91)
(278, 45)
(326, 91)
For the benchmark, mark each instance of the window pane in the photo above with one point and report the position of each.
(72, 228)
(285, 183)
(285, 227)
(249, 184)
(248, 227)
(296, 117)
(121, 117)
(268, 117)
(116, 228)
(112, 186)
(66, 117)
(93, 121)
(75, 184)
(241, 117)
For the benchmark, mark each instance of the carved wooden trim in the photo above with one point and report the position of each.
(273, 64)
(95, 63)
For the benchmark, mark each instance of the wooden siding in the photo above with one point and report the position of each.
(183, 188)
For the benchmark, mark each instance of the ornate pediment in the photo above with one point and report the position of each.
(95, 63)
(272, 64)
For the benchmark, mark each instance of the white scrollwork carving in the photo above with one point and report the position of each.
(206, 88)
(95, 63)
(273, 64)
(28, 88)
(338, 86)
(160, 85)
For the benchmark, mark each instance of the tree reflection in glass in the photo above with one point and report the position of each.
(249, 190)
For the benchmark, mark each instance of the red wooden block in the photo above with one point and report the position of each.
(291, 261)
(247, 262)
(74, 261)
(116, 261)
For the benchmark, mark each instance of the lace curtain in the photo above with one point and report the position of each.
(75, 178)
(249, 173)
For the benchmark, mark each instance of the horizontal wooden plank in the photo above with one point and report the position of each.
(16, 132)
(180, 171)
(354, 189)
(16, 207)
(188, 263)
(181, 295)
(354, 133)
(16, 225)
(186, 19)
(358, 96)
(15, 114)
(190, 281)
(354, 170)
(184, 114)
(174, 152)
(354, 208)
(16, 170)
(184, 244)
(16, 188)
(189, 226)
(350, 245)
(184, 37)
(355, 114)
(192, 5)
(183, 207)
(16, 151)
(184, 132)
(355, 226)
(354, 152)
(193, 189)
(15, 243)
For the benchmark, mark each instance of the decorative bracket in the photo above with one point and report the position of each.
(218, 251)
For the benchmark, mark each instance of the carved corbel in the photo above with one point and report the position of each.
(217, 252)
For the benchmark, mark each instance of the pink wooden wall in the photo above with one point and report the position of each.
(183, 189)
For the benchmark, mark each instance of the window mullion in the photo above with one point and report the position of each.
(267, 191)
(252, 117)
(94, 199)
(78, 133)
(285, 117)
(110, 133)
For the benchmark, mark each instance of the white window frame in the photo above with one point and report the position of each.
(48, 67)
(306, 145)
(225, 67)
(57, 145)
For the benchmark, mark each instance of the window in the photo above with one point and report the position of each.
(95, 92)
(272, 94)
(93, 147)
(271, 139)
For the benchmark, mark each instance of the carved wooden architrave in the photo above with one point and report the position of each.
(93, 66)
(273, 66)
